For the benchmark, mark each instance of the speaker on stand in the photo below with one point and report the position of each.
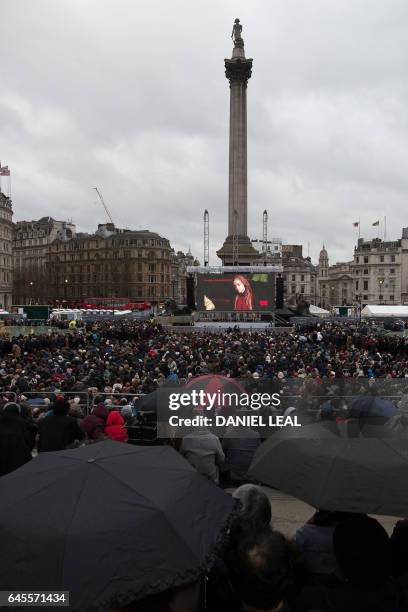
(279, 292)
(190, 292)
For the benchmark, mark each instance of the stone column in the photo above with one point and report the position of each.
(238, 70)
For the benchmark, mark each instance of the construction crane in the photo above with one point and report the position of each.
(104, 205)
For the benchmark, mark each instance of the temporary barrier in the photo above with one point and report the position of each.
(84, 398)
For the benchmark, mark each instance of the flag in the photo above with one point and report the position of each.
(376, 223)
(356, 223)
(5, 171)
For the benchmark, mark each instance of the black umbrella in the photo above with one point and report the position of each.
(109, 522)
(336, 473)
(148, 402)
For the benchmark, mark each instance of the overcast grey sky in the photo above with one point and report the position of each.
(131, 96)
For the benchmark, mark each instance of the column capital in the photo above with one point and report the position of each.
(238, 70)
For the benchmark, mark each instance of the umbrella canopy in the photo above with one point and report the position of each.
(109, 522)
(148, 402)
(36, 401)
(336, 473)
(368, 406)
(214, 383)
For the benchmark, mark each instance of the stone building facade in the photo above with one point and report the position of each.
(31, 240)
(6, 251)
(404, 266)
(334, 283)
(299, 275)
(380, 271)
(180, 261)
(110, 263)
(139, 266)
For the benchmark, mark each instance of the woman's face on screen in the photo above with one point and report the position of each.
(239, 285)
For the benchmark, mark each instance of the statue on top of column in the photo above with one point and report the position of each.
(236, 34)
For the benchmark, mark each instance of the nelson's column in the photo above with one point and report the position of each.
(237, 248)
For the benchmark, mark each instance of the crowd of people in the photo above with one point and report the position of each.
(136, 357)
(59, 391)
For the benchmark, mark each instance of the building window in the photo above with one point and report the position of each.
(392, 270)
(302, 277)
(357, 259)
(365, 297)
(365, 285)
(381, 258)
(393, 258)
(365, 271)
(365, 259)
(293, 277)
(356, 285)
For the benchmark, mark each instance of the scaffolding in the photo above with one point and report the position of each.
(206, 238)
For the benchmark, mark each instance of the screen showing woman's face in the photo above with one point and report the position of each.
(239, 285)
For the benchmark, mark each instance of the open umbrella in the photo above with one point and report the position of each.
(372, 406)
(111, 523)
(336, 473)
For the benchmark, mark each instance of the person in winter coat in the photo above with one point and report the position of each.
(14, 439)
(58, 430)
(115, 427)
(94, 424)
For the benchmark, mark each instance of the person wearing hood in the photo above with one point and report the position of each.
(94, 424)
(14, 439)
(115, 427)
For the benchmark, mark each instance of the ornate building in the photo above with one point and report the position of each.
(334, 283)
(299, 277)
(380, 271)
(180, 261)
(6, 249)
(55, 264)
(110, 263)
(31, 240)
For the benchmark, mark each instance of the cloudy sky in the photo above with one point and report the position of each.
(131, 96)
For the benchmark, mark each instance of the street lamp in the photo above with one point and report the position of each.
(331, 294)
(360, 298)
(31, 292)
(380, 293)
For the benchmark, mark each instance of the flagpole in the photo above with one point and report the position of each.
(385, 228)
(359, 228)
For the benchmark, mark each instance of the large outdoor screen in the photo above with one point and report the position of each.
(236, 292)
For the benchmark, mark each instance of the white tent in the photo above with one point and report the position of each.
(317, 311)
(384, 312)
